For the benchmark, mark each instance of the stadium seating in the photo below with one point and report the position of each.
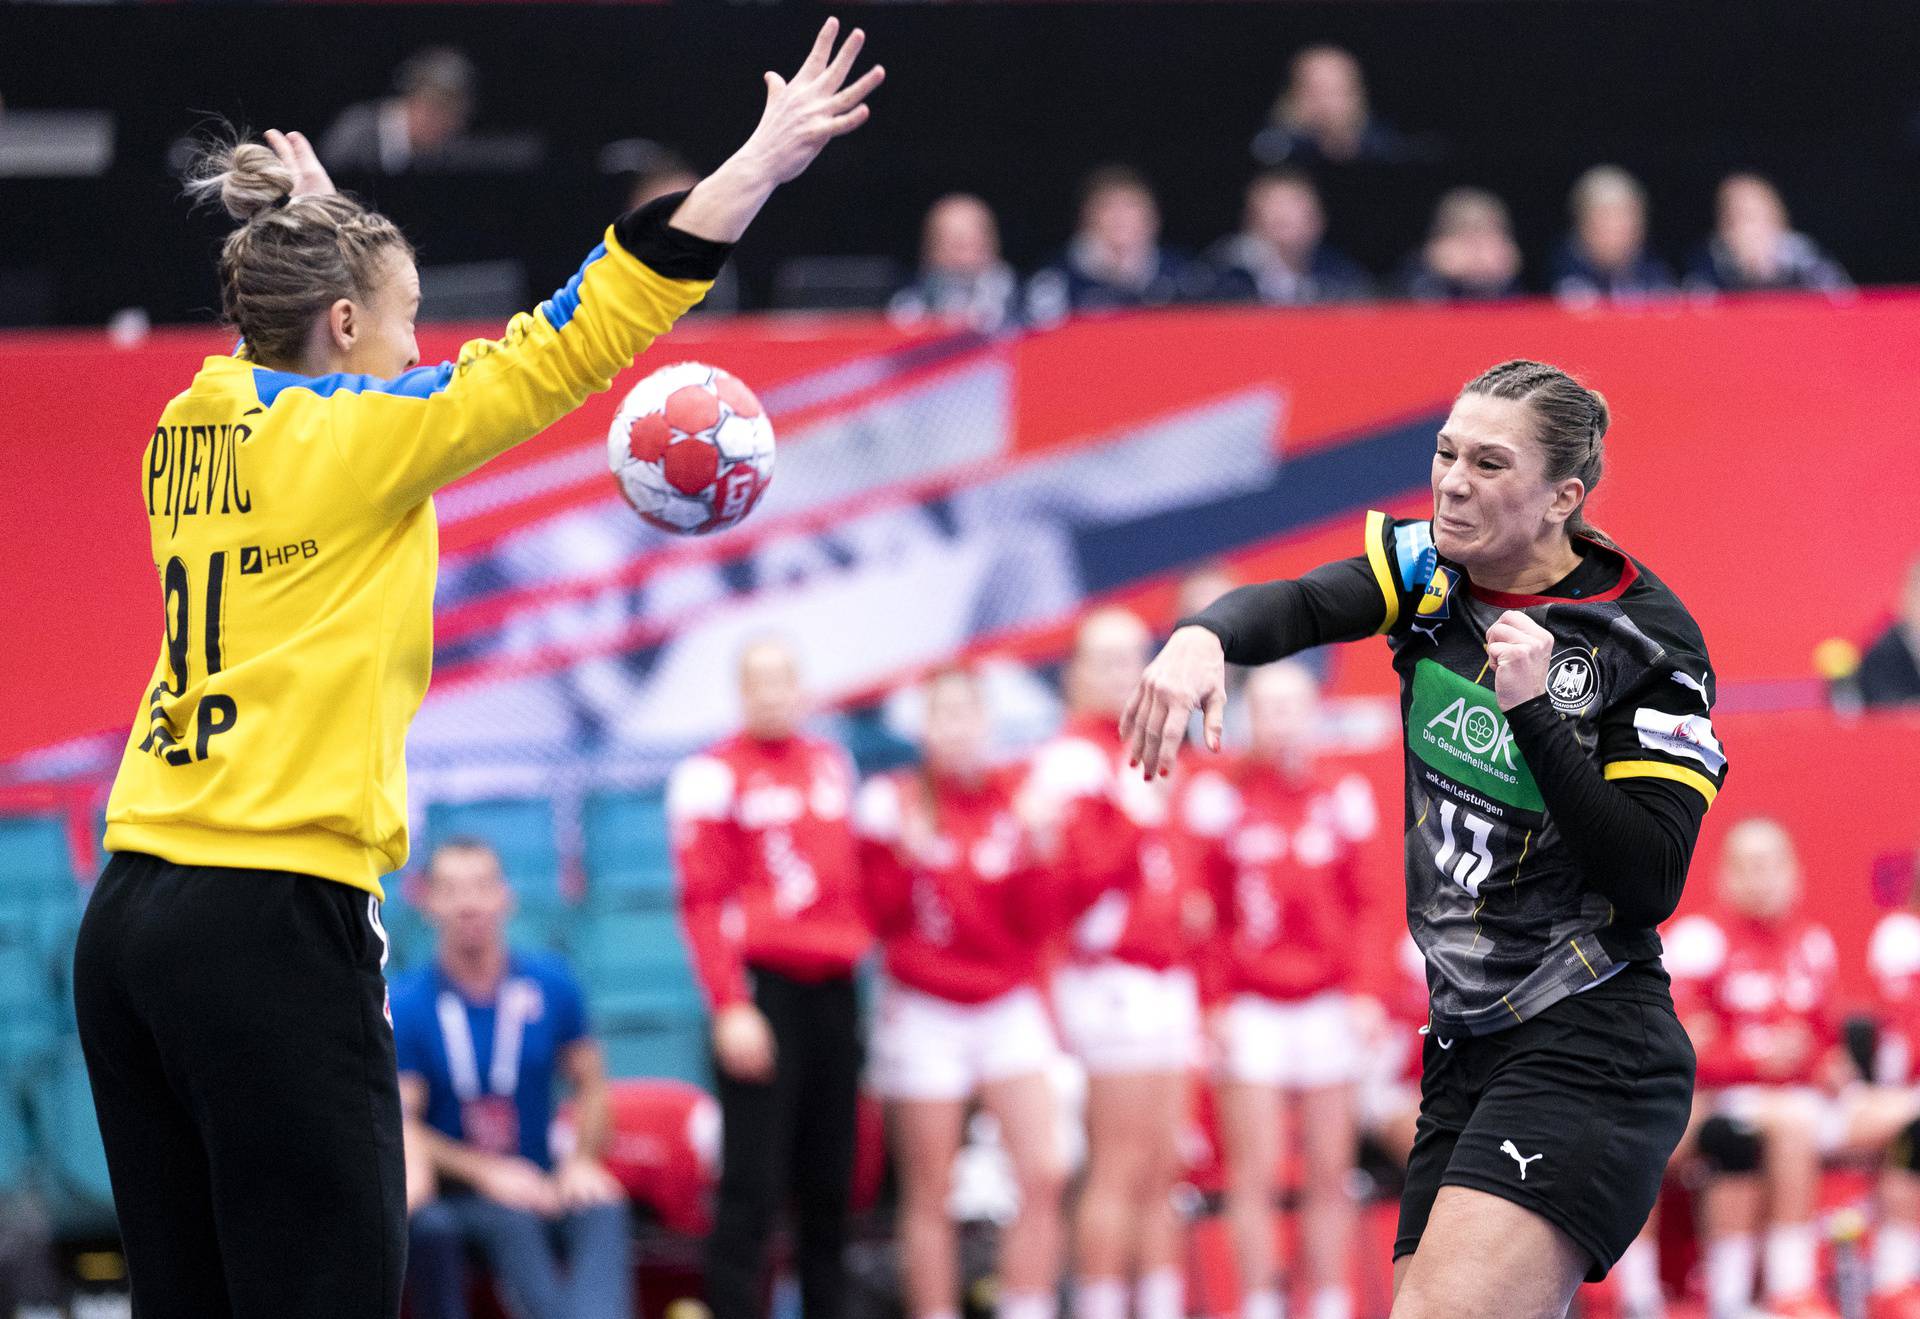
(625, 942)
(626, 851)
(72, 1162)
(39, 913)
(15, 1149)
(635, 968)
(677, 1052)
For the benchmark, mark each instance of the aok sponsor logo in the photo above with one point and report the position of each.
(1457, 728)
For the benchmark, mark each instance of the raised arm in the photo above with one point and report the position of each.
(1340, 601)
(406, 437)
(801, 117)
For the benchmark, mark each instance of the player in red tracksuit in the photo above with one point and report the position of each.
(769, 893)
(962, 911)
(1893, 958)
(1275, 844)
(1753, 982)
(1390, 1074)
(1125, 997)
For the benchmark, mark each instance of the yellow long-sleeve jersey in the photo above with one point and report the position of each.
(293, 531)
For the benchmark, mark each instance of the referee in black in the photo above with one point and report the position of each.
(1560, 757)
(228, 976)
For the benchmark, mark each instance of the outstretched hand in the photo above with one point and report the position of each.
(296, 153)
(1190, 672)
(812, 108)
(802, 115)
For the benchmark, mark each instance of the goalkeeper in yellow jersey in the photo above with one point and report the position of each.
(228, 976)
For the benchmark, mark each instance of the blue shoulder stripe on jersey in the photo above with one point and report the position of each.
(1413, 549)
(421, 382)
(559, 309)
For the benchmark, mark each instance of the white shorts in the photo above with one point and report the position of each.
(1387, 1093)
(1304, 1044)
(932, 1048)
(1827, 1115)
(1118, 1018)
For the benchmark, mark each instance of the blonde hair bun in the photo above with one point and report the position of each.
(244, 177)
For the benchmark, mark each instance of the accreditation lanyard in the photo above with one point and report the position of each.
(490, 1120)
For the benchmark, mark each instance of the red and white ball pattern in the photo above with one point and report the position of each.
(691, 449)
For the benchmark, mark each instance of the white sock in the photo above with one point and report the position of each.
(1793, 1260)
(1161, 1294)
(1331, 1303)
(1027, 1305)
(1896, 1256)
(1639, 1275)
(1730, 1276)
(1100, 1298)
(940, 1314)
(1263, 1303)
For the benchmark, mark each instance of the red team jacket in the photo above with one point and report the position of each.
(768, 871)
(1753, 979)
(1893, 959)
(1119, 880)
(1278, 856)
(950, 885)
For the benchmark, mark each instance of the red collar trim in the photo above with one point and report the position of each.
(1629, 574)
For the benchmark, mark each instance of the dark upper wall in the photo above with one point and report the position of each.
(1015, 101)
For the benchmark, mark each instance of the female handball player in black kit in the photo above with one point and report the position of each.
(1560, 757)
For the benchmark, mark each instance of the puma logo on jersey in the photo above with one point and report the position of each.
(1431, 631)
(1507, 1148)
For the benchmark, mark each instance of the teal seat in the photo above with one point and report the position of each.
(628, 852)
(636, 971)
(68, 1149)
(34, 860)
(16, 1149)
(31, 988)
(520, 829)
(677, 1052)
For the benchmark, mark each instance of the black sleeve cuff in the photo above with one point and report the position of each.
(1213, 625)
(1532, 717)
(668, 251)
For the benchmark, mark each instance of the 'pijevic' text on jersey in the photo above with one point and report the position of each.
(1495, 898)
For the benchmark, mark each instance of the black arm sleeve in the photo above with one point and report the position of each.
(1259, 624)
(645, 232)
(1633, 838)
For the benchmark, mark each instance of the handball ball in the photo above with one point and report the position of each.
(691, 449)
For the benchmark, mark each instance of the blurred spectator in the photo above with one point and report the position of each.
(1322, 115)
(407, 131)
(482, 1035)
(1605, 259)
(1201, 587)
(962, 283)
(1889, 673)
(1754, 247)
(1280, 255)
(649, 171)
(1115, 259)
(1469, 256)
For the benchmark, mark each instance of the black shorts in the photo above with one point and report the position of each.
(236, 1035)
(1572, 1114)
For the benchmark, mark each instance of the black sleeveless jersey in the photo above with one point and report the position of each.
(1494, 898)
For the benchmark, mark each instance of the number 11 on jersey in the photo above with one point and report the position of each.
(1468, 867)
